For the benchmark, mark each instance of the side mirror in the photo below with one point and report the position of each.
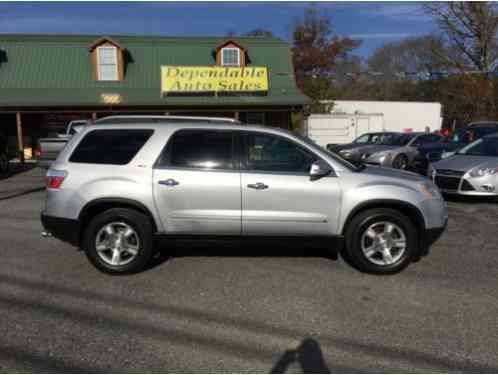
(319, 169)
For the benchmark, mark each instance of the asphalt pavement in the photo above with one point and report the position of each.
(226, 309)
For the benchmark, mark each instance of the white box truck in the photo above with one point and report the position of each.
(350, 118)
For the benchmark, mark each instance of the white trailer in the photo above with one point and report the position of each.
(351, 118)
(327, 129)
(398, 116)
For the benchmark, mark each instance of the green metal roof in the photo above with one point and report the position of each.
(56, 70)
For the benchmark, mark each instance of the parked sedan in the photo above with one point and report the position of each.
(434, 152)
(399, 150)
(471, 171)
(352, 151)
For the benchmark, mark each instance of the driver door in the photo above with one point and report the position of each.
(278, 196)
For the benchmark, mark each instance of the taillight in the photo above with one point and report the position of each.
(54, 178)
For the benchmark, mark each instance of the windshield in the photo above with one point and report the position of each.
(481, 147)
(340, 160)
(470, 135)
(375, 138)
(395, 139)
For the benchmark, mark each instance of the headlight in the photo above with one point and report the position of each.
(481, 172)
(429, 190)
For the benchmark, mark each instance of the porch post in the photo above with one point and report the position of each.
(20, 144)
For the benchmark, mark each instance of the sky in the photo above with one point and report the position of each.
(375, 23)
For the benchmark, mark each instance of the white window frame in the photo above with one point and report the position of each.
(230, 49)
(115, 49)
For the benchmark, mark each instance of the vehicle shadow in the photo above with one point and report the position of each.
(16, 168)
(239, 248)
(308, 355)
(469, 199)
(21, 193)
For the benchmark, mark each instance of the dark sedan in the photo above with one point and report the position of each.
(436, 151)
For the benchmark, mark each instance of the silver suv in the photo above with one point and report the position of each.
(116, 189)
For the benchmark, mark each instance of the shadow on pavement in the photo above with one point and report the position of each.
(237, 248)
(308, 355)
(467, 199)
(21, 193)
(16, 168)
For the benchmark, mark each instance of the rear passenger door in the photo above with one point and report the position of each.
(197, 183)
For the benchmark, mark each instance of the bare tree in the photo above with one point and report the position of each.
(470, 30)
(409, 58)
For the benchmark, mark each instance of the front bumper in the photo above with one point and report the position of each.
(67, 230)
(464, 185)
(429, 238)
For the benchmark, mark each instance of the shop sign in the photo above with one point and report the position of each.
(110, 98)
(198, 79)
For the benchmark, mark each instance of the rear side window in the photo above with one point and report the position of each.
(110, 146)
(199, 149)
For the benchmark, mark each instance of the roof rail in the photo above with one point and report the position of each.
(158, 119)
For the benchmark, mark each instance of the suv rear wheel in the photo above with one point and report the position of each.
(119, 241)
(381, 241)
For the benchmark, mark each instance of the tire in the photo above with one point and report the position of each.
(119, 230)
(4, 163)
(364, 236)
(400, 162)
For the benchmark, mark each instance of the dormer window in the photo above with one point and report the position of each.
(230, 56)
(230, 53)
(107, 57)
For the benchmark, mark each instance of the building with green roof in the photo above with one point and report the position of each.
(48, 80)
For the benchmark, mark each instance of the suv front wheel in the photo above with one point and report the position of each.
(381, 241)
(119, 241)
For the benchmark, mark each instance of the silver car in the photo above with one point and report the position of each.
(397, 151)
(118, 190)
(471, 171)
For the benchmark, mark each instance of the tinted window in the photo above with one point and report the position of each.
(209, 149)
(110, 146)
(365, 138)
(426, 138)
(270, 153)
(482, 147)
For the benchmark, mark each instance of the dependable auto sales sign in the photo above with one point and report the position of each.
(185, 79)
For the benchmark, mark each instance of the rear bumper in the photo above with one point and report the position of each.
(67, 230)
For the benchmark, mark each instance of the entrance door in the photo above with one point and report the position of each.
(278, 196)
(197, 183)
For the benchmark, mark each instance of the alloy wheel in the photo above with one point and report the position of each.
(117, 243)
(383, 243)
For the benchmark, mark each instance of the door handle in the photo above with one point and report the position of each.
(168, 182)
(258, 186)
